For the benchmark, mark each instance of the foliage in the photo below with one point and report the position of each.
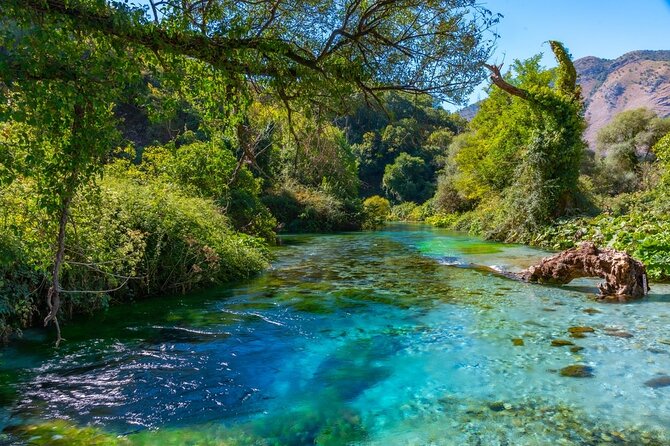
(128, 240)
(208, 169)
(306, 150)
(402, 211)
(644, 236)
(519, 162)
(447, 198)
(407, 179)
(662, 152)
(624, 147)
(377, 210)
(412, 124)
(303, 209)
(316, 51)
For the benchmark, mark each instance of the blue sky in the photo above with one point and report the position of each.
(601, 28)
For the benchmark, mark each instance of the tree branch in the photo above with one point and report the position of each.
(501, 83)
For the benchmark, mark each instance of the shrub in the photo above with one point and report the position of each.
(402, 211)
(210, 170)
(447, 199)
(304, 209)
(377, 210)
(127, 239)
(420, 213)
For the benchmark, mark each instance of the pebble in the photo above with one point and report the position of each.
(618, 333)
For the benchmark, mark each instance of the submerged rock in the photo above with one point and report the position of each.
(577, 371)
(658, 382)
(517, 342)
(591, 311)
(561, 343)
(497, 406)
(580, 330)
(618, 333)
(624, 276)
(576, 349)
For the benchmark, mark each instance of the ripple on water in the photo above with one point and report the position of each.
(363, 338)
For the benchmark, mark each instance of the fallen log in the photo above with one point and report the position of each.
(625, 277)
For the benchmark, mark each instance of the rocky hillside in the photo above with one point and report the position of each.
(636, 79)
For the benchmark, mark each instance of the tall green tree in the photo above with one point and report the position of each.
(520, 161)
(59, 92)
(314, 50)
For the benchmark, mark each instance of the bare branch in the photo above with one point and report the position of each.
(501, 83)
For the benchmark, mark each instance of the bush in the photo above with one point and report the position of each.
(377, 210)
(447, 221)
(209, 170)
(402, 211)
(303, 209)
(420, 213)
(447, 199)
(127, 239)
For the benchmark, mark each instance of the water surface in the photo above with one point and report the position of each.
(384, 338)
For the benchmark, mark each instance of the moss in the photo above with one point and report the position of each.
(62, 433)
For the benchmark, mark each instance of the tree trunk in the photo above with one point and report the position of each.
(625, 277)
(53, 296)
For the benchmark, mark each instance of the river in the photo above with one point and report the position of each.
(378, 338)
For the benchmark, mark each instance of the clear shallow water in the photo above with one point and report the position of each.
(381, 338)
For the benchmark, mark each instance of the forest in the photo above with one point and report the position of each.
(149, 151)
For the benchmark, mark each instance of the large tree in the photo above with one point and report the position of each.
(316, 50)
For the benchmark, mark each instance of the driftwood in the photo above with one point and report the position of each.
(625, 277)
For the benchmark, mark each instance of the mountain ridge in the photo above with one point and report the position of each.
(609, 86)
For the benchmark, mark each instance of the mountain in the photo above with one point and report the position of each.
(469, 112)
(636, 79)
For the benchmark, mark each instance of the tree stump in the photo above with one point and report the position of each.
(625, 277)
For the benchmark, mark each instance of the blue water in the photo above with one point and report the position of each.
(384, 338)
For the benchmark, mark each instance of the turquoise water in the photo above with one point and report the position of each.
(384, 338)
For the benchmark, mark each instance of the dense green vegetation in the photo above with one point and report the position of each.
(561, 193)
(148, 150)
(165, 147)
